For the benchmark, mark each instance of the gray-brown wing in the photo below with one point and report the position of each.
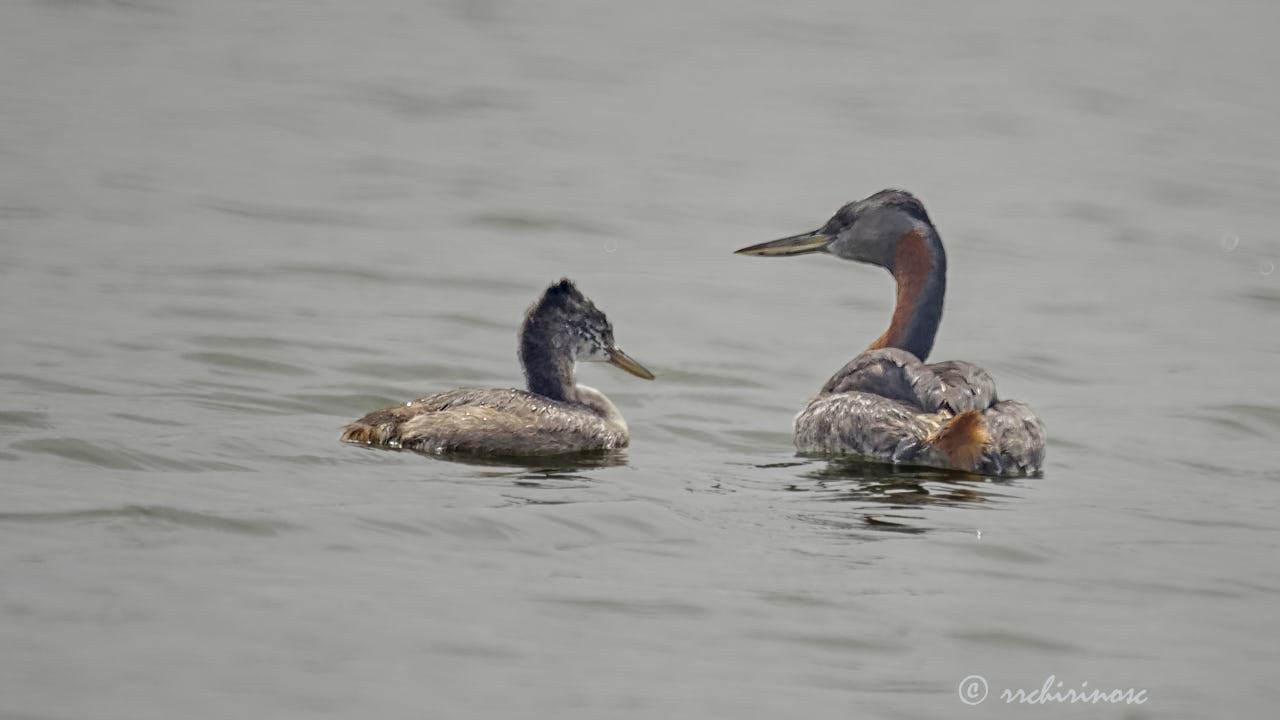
(487, 397)
(896, 374)
(397, 414)
(862, 423)
(1017, 439)
(508, 431)
(961, 386)
(495, 421)
(887, 372)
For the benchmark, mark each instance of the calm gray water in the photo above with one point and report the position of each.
(226, 229)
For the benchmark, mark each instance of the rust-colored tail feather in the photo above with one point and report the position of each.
(963, 438)
(359, 433)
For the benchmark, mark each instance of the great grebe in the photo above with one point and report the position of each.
(886, 404)
(554, 415)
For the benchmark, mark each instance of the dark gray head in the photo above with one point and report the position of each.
(564, 325)
(867, 230)
(892, 230)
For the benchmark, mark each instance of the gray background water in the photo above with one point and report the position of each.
(228, 228)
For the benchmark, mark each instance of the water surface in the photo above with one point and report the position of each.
(227, 229)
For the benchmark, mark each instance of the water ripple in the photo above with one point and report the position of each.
(151, 514)
(44, 385)
(115, 456)
(1235, 419)
(293, 215)
(246, 363)
(1007, 640)
(627, 608)
(529, 222)
(25, 419)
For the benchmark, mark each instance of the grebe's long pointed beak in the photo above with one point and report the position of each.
(809, 242)
(624, 361)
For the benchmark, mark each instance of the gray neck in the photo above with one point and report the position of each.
(547, 371)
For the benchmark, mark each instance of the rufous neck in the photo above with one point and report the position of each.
(920, 269)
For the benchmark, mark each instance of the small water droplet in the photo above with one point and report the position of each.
(1230, 242)
(1266, 267)
(610, 245)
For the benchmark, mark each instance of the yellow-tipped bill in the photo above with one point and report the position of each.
(795, 245)
(622, 360)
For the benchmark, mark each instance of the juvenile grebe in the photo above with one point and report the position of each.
(886, 404)
(553, 415)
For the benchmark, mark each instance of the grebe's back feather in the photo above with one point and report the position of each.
(1017, 439)
(497, 421)
(898, 375)
(886, 404)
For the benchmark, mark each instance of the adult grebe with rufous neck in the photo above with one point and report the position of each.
(554, 415)
(886, 404)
